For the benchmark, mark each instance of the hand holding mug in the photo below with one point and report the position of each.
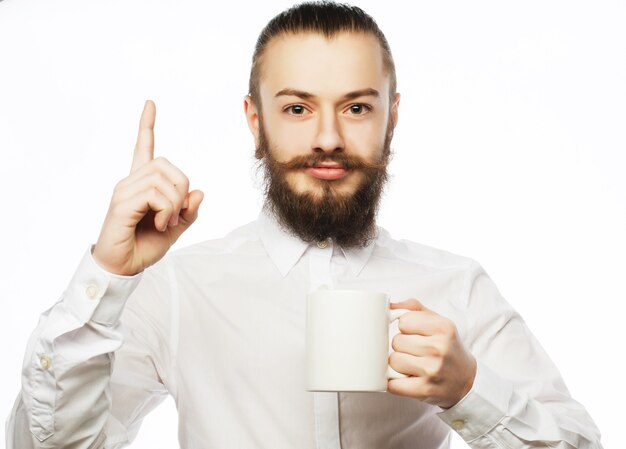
(428, 349)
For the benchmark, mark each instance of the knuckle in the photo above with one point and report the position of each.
(413, 303)
(448, 328)
(180, 179)
(156, 178)
(119, 185)
(185, 183)
(403, 323)
(396, 342)
(435, 350)
(394, 358)
(436, 368)
(442, 348)
(392, 387)
(430, 377)
(156, 196)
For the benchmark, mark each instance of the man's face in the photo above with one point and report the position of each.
(325, 127)
(325, 96)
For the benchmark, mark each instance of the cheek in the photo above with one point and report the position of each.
(289, 139)
(367, 136)
(366, 139)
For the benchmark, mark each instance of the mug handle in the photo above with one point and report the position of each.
(394, 314)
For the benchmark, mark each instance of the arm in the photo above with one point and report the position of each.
(519, 399)
(498, 387)
(66, 384)
(67, 365)
(100, 378)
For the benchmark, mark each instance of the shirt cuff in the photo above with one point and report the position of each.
(482, 408)
(96, 295)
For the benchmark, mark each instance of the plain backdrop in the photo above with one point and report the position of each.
(511, 149)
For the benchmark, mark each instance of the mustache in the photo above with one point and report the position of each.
(346, 161)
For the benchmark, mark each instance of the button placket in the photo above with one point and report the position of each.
(323, 244)
(326, 404)
(319, 264)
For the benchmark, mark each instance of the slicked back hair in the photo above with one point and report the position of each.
(326, 18)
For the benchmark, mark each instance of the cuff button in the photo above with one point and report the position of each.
(91, 291)
(458, 424)
(45, 361)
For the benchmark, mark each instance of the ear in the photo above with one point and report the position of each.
(394, 110)
(252, 117)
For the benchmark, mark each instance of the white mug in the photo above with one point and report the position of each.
(347, 340)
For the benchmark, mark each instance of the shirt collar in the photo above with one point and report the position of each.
(286, 249)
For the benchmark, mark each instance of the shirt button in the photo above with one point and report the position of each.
(458, 424)
(45, 361)
(91, 291)
(322, 244)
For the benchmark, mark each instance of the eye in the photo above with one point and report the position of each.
(358, 109)
(296, 109)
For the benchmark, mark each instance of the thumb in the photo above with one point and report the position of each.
(411, 304)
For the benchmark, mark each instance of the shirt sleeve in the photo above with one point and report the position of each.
(518, 399)
(95, 364)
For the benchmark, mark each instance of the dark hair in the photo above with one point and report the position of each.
(324, 17)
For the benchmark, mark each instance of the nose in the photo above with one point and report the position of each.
(328, 138)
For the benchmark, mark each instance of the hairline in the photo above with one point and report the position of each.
(255, 78)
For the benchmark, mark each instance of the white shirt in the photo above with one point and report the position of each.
(220, 327)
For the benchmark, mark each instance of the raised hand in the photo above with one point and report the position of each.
(149, 210)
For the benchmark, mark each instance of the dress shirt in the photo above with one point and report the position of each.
(220, 326)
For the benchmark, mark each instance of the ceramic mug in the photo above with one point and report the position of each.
(347, 340)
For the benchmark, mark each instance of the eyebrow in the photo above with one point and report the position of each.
(349, 96)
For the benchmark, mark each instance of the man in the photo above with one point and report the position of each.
(220, 325)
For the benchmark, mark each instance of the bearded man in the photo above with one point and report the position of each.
(220, 325)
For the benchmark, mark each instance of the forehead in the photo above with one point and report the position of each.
(323, 66)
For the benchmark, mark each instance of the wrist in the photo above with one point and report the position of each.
(116, 270)
(467, 385)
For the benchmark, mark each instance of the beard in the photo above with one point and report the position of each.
(348, 218)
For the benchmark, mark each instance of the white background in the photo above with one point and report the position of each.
(510, 149)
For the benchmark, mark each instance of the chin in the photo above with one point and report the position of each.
(319, 189)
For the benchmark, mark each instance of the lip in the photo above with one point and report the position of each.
(328, 172)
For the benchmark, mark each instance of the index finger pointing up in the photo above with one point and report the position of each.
(144, 149)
